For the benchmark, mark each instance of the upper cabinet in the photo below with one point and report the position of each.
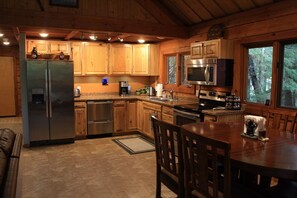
(145, 59)
(95, 58)
(218, 48)
(120, 58)
(89, 58)
(48, 47)
(56, 47)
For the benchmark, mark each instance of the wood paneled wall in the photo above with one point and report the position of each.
(269, 23)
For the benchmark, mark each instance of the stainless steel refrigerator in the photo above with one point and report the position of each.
(50, 101)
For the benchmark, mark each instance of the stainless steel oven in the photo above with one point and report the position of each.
(182, 117)
(193, 113)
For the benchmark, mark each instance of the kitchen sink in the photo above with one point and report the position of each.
(162, 99)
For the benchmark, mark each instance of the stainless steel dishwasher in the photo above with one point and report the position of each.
(100, 117)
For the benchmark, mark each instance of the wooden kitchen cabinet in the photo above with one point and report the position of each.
(131, 115)
(56, 47)
(41, 46)
(145, 59)
(125, 115)
(95, 58)
(119, 114)
(139, 115)
(150, 109)
(76, 56)
(48, 47)
(217, 48)
(89, 58)
(120, 58)
(167, 114)
(236, 117)
(80, 116)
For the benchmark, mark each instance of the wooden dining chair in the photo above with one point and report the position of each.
(202, 157)
(169, 157)
(281, 120)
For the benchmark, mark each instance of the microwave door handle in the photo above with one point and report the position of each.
(206, 74)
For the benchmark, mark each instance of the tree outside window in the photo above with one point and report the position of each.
(288, 96)
(171, 69)
(259, 74)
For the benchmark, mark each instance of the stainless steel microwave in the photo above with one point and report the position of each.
(216, 72)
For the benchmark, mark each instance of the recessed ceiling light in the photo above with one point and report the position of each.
(1, 34)
(93, 37)
(6, 42)
(121, 39)
(43, 35)
(141, 40)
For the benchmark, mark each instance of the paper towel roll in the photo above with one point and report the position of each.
(159, 89)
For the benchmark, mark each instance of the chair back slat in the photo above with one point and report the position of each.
(284, 121)
(169, 156)
(202, 157)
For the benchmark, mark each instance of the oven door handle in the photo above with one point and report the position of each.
(187, 113)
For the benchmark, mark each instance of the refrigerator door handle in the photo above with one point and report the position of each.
(46, 94)
(50, 92)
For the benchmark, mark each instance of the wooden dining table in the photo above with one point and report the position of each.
(276, 157)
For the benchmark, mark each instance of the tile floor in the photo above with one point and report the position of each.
(87, 168)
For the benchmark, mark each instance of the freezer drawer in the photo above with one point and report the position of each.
(95, 128)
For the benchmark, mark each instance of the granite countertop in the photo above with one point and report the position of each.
(110, 96)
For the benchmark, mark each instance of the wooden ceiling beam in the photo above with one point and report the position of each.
(159, 12)
(20, 17)
(263, 13)
(16, 32)
(71, 34)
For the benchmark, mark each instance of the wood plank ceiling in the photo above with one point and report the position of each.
(152, 20)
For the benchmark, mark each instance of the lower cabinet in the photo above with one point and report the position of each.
(125, 115)
(150, 109)
(167, 114)
(119, 114)
(238, 117)
(80, 116)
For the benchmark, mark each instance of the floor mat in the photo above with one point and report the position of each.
(135, 145)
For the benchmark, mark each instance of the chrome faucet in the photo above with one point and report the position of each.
(169, 91)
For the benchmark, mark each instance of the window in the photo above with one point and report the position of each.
(288, 77)
(175, 72)
(259, 74)
(171, 69)
(184, 59)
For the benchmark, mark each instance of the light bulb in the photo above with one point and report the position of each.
(1, 34)
(43, 35)
(141, 40)
(93, 37)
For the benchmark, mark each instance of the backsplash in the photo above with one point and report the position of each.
(93, 84)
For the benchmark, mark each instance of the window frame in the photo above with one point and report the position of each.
(280, 68)
(277, 69)
(245, 77)
(178, 87)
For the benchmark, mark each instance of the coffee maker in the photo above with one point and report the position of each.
(123, 88)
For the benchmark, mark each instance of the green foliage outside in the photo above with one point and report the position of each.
(289, 79)
(171, 67)
(259, 74)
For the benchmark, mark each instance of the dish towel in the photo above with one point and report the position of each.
(260, 123)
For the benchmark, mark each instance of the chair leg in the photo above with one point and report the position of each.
(158, 186)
